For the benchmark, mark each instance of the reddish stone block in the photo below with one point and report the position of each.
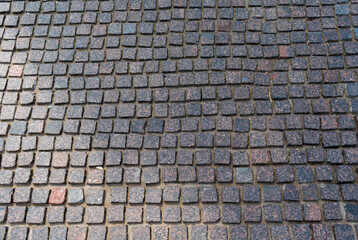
(312, 212)
(58, 196)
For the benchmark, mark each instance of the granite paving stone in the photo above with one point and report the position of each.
(183, 119)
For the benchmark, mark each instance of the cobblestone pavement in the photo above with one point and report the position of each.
(179, 119)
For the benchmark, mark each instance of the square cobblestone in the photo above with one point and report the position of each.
(176, 114)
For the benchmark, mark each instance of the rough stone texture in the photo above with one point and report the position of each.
(179, 119)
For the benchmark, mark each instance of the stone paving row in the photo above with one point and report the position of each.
(179, 119)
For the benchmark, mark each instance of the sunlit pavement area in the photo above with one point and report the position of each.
(179, 119)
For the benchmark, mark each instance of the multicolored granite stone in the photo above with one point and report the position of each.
(179, 119)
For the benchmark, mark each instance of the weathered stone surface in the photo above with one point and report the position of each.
(190, 116)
